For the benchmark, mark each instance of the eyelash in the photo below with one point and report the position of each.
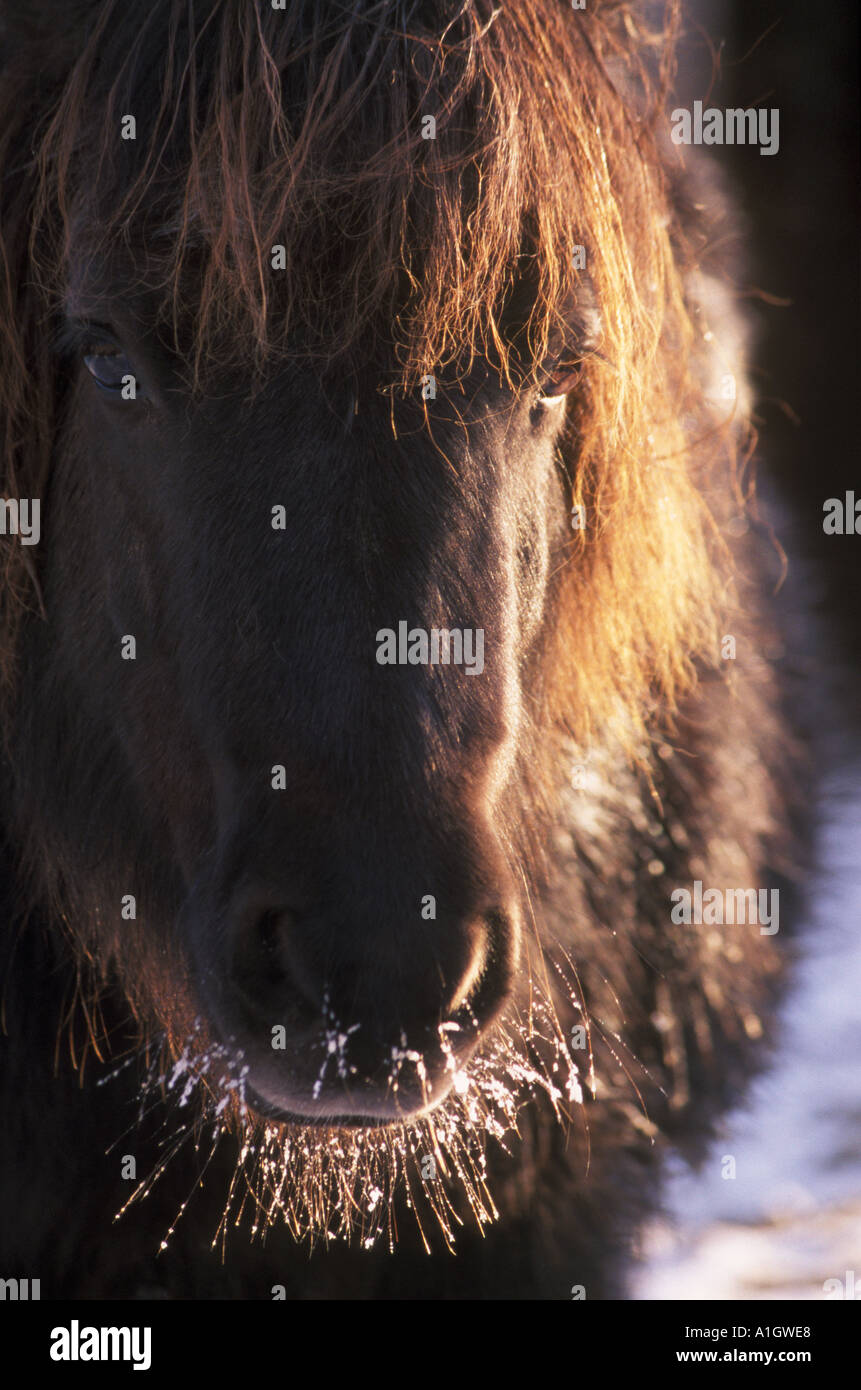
(79, 339)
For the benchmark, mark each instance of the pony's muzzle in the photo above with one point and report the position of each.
(349, 1026)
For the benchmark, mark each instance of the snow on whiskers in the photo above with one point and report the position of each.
(340, 1184)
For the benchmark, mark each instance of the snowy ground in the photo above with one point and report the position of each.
(791, 1218)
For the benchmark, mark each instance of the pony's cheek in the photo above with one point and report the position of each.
(533, 563)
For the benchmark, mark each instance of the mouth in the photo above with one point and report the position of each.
(276, 1114)
(335, 1078)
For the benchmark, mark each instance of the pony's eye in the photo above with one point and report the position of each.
(109, 367)
(560, 383)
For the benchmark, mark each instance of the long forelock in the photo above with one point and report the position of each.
(305, 128)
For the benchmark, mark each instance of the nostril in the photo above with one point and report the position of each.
(259, 967)
(268, 934)
(487, 980)
(471, 978)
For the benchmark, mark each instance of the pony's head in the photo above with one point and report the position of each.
(321, 325)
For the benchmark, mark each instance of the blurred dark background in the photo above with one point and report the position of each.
(802, 211)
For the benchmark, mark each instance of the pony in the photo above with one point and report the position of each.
(326, 975)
